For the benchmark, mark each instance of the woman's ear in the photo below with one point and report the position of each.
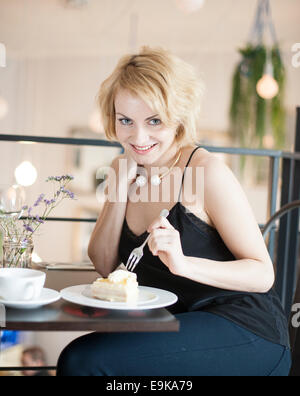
(179, 131)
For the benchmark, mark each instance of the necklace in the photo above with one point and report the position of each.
(141, 181)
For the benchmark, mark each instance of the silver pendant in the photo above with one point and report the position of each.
(141, 181)
(155, 180)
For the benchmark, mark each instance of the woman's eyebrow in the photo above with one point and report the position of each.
(123, 115)
(149, 118)
(128, 118)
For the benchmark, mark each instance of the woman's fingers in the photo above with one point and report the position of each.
(160, 222)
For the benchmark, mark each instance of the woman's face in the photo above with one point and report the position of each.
(140, 130)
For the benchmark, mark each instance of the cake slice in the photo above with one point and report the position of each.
(120, 286)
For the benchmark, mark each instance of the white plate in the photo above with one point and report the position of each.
(149, 298)
(48, 296)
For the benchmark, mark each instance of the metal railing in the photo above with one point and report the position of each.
(283, 166)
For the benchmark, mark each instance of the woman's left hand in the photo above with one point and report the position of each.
(165, 243)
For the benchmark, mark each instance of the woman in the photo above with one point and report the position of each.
(211, 253)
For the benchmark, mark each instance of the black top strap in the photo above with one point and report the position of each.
(185, 171)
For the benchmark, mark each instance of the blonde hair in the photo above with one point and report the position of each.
(166, 83)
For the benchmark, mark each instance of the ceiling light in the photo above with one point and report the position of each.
(190, 6)
(267, 87)
(26, 174)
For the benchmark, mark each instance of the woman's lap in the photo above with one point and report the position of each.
(206, 344)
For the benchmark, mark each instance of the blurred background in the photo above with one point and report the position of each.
(58, 52)
(55, 54)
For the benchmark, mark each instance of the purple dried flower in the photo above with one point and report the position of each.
(39, 200)
(49, 202)
(34, 221)
(60, 178)
(69, 193)
(28, 228)
(38, 219)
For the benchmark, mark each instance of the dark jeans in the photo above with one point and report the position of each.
(207, 345)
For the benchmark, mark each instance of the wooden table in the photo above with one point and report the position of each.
(64, 316)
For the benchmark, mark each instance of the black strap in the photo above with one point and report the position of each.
(185, 171)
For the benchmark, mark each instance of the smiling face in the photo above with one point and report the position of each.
(141, 132)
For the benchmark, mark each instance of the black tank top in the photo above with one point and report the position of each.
(260, 313)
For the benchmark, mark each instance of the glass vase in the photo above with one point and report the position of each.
(17, 253)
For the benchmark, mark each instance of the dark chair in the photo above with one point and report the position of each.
(296, 294)
(284, 210)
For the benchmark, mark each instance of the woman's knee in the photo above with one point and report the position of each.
(69, 360)
(84, 356)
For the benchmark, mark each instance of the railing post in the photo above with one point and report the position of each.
(272, 201)
(288, 239)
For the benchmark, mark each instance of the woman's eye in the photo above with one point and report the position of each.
(125, 121)
(155, 121)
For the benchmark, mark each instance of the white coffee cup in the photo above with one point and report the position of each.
(21, 284)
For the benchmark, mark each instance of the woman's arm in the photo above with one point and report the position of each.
(105, 239)
(228, 207)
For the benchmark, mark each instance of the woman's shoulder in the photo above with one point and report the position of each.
(200, 157)
(216, 170)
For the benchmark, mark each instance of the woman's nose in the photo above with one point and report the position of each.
(141, 136)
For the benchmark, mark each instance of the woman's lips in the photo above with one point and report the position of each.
(143, 152)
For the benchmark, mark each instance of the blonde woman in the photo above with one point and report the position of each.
(209, 251)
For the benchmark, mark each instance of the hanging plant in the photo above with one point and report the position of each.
(248, 110)
(278, 112)
(257, 113)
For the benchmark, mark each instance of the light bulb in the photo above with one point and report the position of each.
(26, 174)
(3, 108)
(267, 87)
(189, 6)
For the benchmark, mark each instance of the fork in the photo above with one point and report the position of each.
(138, 252)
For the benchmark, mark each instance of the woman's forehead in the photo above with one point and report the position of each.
(129, 102)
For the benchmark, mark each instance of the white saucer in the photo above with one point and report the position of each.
(48, 296)
(149, 298)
